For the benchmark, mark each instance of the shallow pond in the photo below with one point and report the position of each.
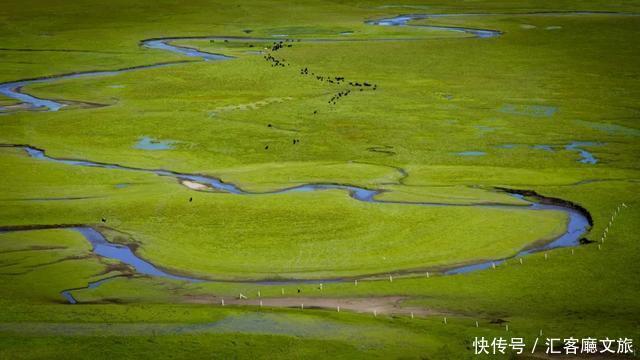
(147, 143)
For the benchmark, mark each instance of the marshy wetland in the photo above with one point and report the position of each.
(316, 180)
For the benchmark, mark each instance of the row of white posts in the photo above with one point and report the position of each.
(493, 265)
(613, 217)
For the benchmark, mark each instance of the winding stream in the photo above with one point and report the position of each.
(578, 224)
(14, 91)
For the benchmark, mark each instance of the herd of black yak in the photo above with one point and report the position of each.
(339, 80)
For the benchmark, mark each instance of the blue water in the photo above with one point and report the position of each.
(163, 44)
(529, 110)
(12, 89)
(472, 153)
(124, 254)
(578, 224)
(403, 20)
(543, 147)
(585, 156)
(609, 128)
(147, 143)
(92, 285)
(485, 128)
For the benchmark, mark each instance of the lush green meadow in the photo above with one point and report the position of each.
(452, 118)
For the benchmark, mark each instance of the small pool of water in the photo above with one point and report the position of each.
(543, 147)
(609, 128)
(147, 143)
(472, 153)
(529, 110)
(586, 157)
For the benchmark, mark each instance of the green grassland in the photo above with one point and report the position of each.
(549, 80)
(309, 235)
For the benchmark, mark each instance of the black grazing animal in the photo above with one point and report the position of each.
(104, 220)
(266, 147)
(190, 199)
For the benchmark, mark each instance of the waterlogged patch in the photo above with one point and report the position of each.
(543, 147)
(613, 129)
(446, 96)
(527, 26)
(485, 129)
(293, 31)
(529, 110)
(553, 28)
(248, 106)
(273, 324)
(147, 143)
(403, 6)
(472, 153)
(585, 156)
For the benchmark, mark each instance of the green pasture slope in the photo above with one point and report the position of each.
(551, 79)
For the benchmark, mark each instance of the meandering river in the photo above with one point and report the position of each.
(578, 224)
